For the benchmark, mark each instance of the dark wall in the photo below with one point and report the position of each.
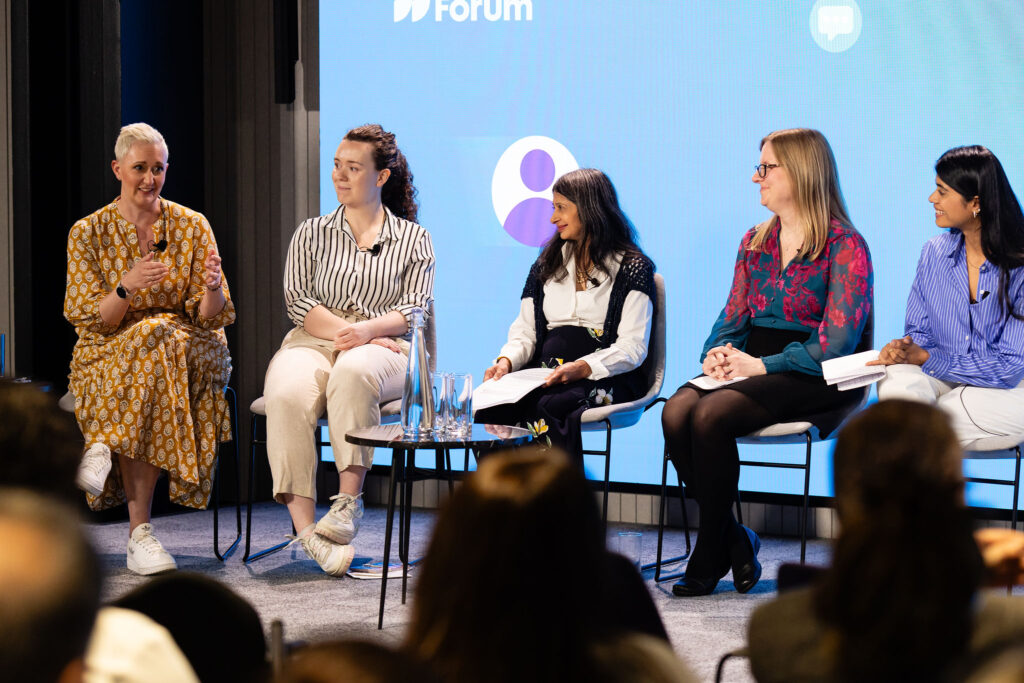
(65, 106)
(203, 73)
(162, 85)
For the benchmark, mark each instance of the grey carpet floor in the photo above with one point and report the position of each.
(313, 606)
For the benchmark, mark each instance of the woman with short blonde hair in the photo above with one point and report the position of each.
(149, 302)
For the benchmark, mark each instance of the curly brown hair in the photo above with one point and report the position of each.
(398, 193)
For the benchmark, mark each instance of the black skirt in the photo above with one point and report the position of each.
(793, 396)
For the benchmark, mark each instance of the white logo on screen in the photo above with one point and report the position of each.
(417, 7)
(521, 187)
(466, 10)
(836, 24)
(835, 20)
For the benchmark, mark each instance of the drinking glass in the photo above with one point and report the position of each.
(442, 402)
(460, 404)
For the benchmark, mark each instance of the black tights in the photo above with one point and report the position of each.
(701, 428)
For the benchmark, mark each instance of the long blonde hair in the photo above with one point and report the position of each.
(807, 158)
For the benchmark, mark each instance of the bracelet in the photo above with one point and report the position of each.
(506, 358)
(212, 289)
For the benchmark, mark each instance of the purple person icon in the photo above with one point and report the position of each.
(528, 221)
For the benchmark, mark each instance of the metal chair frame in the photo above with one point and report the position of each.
(1015, 482)
(600, 419)
(67, 403)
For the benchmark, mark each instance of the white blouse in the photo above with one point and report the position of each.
(563, 305)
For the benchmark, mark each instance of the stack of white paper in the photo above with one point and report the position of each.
(509, 388)
(710, 383)
(850, 372)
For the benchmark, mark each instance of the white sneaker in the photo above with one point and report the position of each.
(341, 522)
(93, 469)
(334, 559)
(145, 553)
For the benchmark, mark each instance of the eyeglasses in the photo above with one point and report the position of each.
(762, 169)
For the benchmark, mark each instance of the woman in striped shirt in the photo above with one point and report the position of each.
(352, 279)
(964, 343)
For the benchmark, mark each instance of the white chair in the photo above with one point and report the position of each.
(622, 415)
(390, 412)
(998, 447)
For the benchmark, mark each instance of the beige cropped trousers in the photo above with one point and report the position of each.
(307, 375)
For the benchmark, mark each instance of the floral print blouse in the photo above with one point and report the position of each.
(830, 297)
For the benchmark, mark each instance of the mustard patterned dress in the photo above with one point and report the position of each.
(151, 387)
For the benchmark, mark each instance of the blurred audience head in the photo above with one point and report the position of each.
(905, 559)
(40, 445)
(490, 604)
(49, 589)
(354, 662)
(174, 601)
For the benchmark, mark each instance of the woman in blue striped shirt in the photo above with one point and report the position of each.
(964, 343)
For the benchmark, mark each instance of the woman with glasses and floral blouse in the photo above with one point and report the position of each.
(801, 293)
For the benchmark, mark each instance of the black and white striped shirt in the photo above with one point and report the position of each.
(326, 267)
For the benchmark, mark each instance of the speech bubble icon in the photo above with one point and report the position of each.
(835, 20)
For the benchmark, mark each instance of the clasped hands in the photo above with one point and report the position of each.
(359, 333)
(563, 374)
(144, 274)
(901, 352)
(147, 272)
(726, 362)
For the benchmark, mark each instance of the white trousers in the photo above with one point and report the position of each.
(975, 412)
(307, 375)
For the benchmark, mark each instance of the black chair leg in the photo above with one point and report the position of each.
(662, 512)
(233, 408)
(1016, 490)
(252, 487)
(607, 469)
(249, 556)
(807, 489)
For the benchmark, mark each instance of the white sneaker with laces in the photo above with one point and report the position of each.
(93, 469)
(146, 555)
(341, 522)
(333, 558)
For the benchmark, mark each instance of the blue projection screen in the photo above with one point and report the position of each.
(490, 99)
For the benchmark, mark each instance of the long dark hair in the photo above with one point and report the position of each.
(905, 559)
(606, 228)
(974, 171)
(398, 193)
(486, 607)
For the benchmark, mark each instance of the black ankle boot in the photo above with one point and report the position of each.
(746, 570)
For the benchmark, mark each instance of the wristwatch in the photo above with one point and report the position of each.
(121, 291)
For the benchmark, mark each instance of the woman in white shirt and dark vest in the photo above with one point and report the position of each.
(586, 313)
(352, 279)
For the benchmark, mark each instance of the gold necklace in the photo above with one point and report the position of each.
(581, 277)
(971, 265)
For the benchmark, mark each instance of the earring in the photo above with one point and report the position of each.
(976, 212)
